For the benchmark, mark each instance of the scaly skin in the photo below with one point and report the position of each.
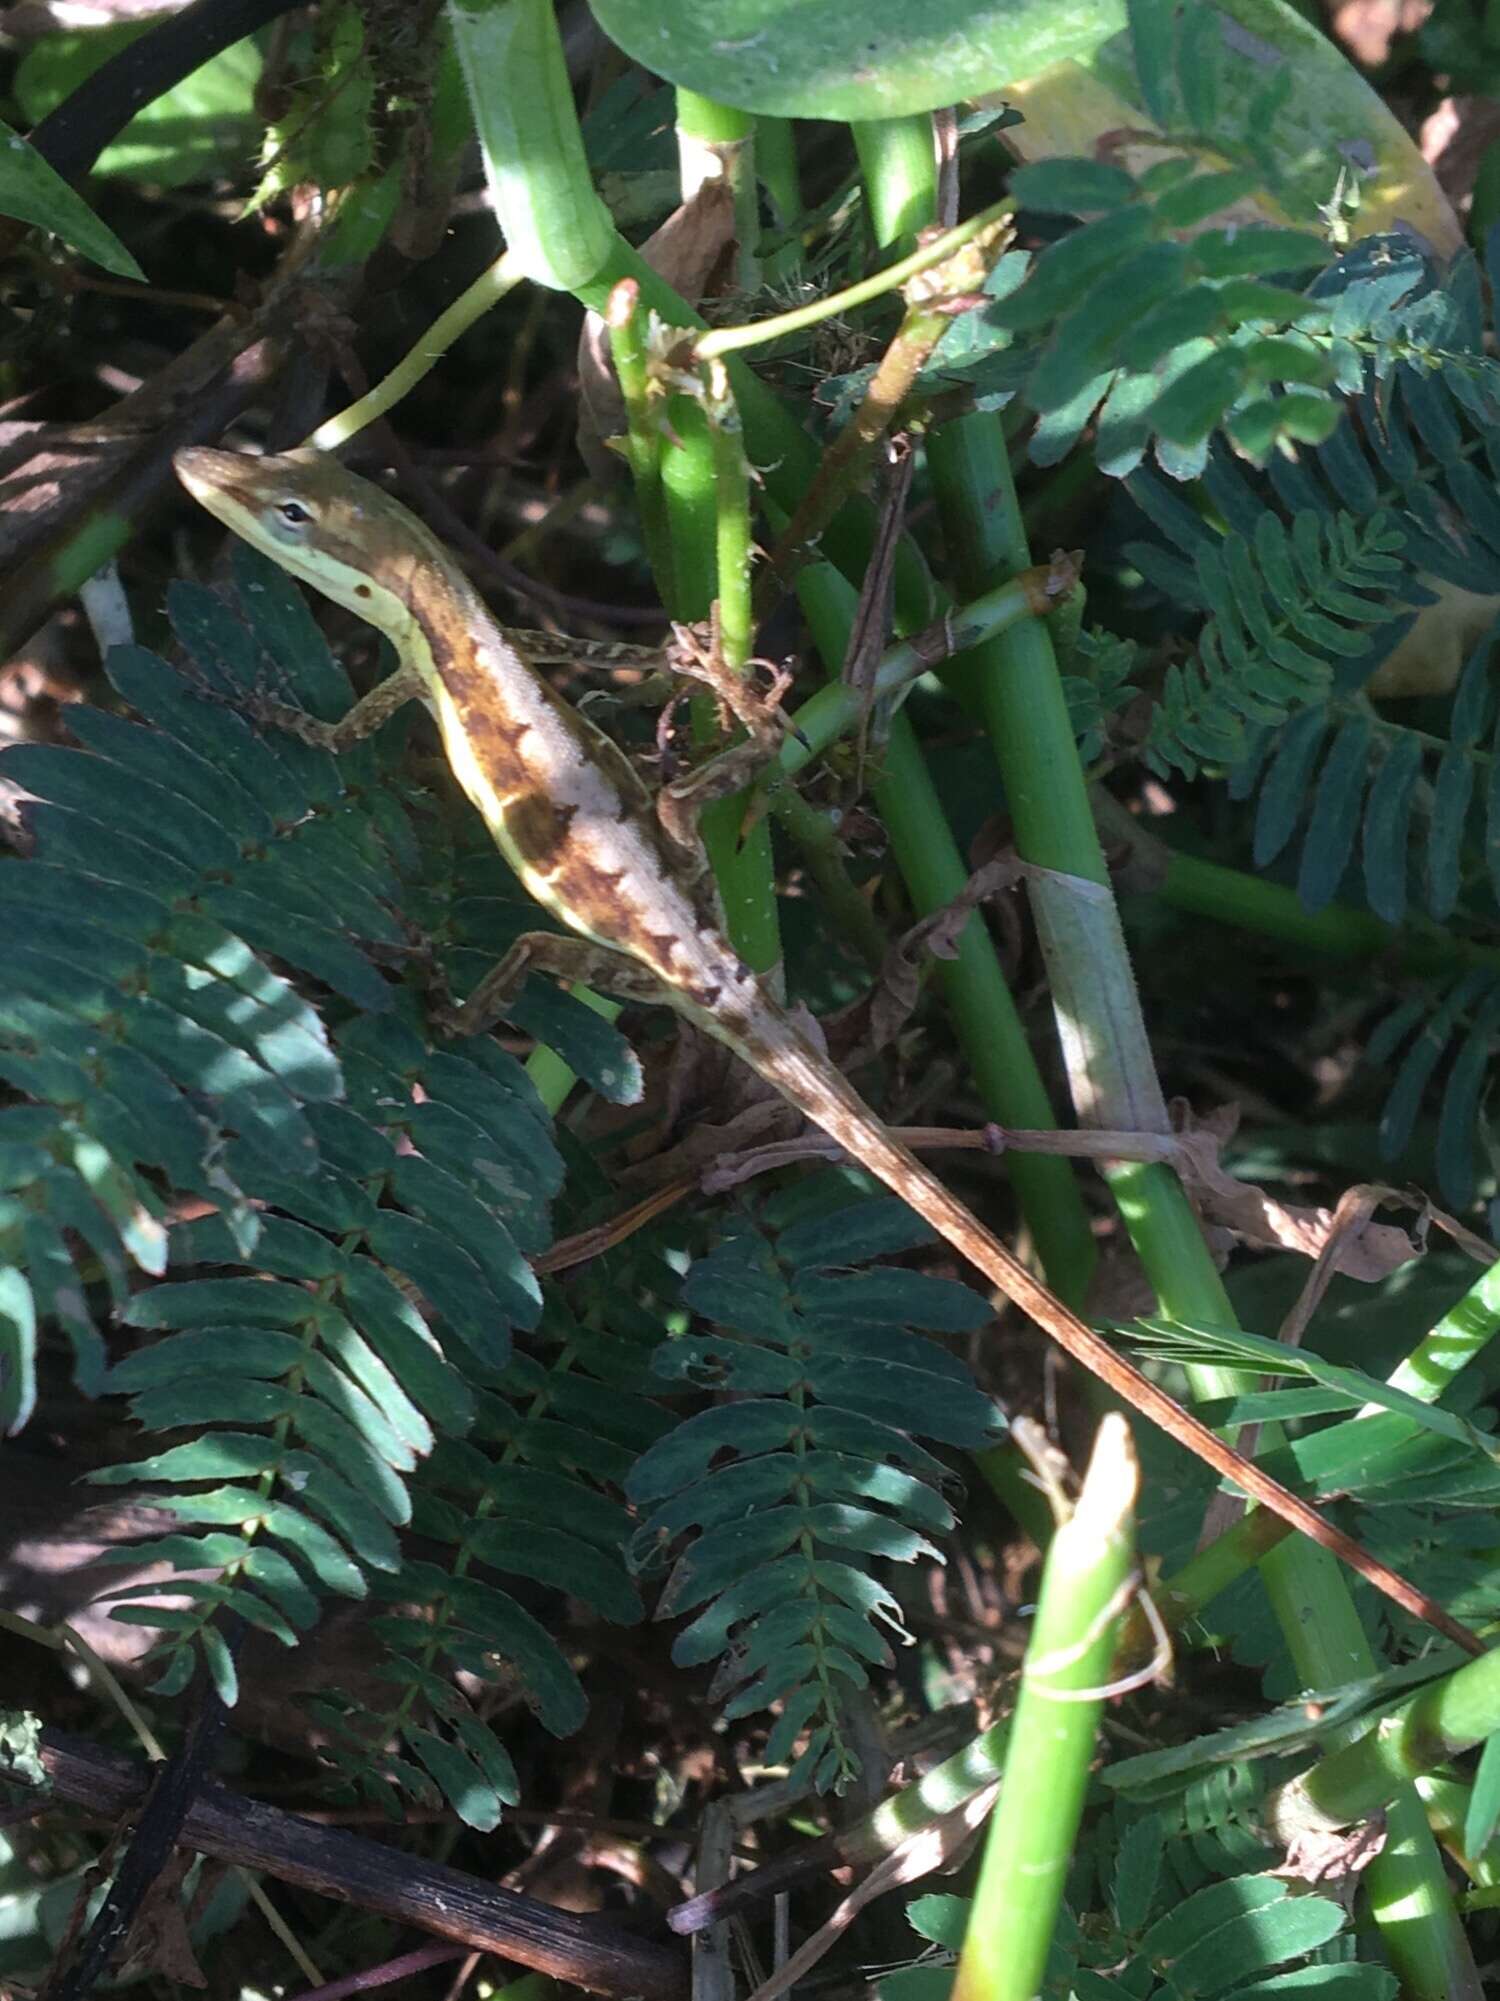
(570, 815)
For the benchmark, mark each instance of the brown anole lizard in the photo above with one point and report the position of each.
(573, 818)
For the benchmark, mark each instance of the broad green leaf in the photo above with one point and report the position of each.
(33, 191)
(358, 1359)
(1137, 1870)
(727, 1553)
(204, 126)
(1061, 274)
(218, 1455)
(397, 1333)
(221, 1668)
(864, 1530)
(358, 1410)
(1274, 82)
(281, 1581)
(324, 1556)
(749, 1595)
(1361, 1982)
(246, 1301)
(1205, 1912)
(728, 1493)
(1196, 402)
(97, 786)
(954, 1412)
(684, 1454)
(152, 755)
(329, 1495)
(890, 1297)
(438, 1198)
(796, 1712)
(527, 1493)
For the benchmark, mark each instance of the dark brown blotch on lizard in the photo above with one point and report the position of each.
(539, 826)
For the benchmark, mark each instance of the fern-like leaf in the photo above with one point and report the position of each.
(1286, 607)
(787, 1492)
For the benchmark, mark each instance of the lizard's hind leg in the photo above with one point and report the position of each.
(576, 959)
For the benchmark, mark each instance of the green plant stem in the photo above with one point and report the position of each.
(743, 867)
(923, 324)
(1463, 1332)
(898, 162)
(1446, 1718)
(643, 441)
(985, 1020)
(493, 284)
(1232, 896)
(733, 538)
(717, 142)
(1114, 1083)
(837, 709)
(1084, 1590)
(556, 227)
(776, 165)
(784, 455)
(1447, 1802)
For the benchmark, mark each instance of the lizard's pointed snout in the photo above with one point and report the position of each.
(203, 470)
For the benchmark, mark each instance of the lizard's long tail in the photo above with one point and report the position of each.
(808, 1081)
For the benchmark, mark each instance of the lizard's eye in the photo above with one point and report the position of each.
(293, 513)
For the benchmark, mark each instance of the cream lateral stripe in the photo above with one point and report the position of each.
(563, 806)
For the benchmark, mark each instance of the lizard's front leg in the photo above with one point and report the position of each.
(367, 715)
(680, 803)
(566, 959)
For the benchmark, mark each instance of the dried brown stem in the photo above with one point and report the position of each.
(590, 1952)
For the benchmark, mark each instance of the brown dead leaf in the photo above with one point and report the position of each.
(1358, 1247)
(159, 1941)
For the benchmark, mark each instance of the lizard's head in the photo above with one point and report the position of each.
(332, 529)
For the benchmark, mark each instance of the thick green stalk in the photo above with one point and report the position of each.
(898, 162)
(1020, 697)
(733, 535)
(1448, 1717)
(742, 866)
(776, 166)
(557, 230)
(1084, 1591)
(989, 1030)
(1464, 1331)
(1251, 903)
(643, 438)
(717, 142)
